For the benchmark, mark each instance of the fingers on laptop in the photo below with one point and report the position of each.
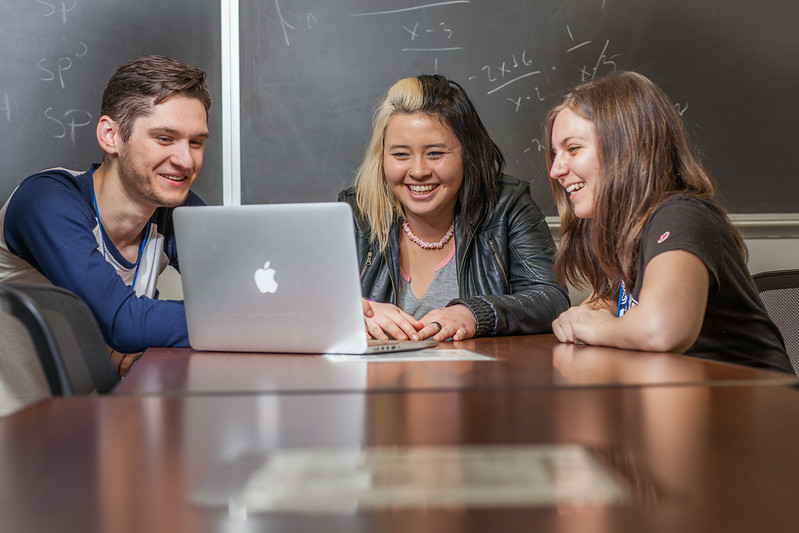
(389, 321)
(367, 308)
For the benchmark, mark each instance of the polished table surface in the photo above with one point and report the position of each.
(690, 458)
(532, 361)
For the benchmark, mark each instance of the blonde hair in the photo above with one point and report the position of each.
(376, 202)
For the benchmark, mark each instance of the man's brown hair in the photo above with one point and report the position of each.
(146, 81)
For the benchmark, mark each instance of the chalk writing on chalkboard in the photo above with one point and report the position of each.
(515, 59)
(54, 69)
(411, 8)
(435, 39)
(425, 36)
(306, 21)
(416, 32)
(68, 122)
(58, 8)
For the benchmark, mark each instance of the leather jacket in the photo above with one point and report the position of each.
(504, 270)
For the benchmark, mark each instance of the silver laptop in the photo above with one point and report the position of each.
(274, 278)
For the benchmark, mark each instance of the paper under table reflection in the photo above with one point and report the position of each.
(347, 480)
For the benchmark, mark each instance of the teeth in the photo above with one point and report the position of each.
(574, 187)
(421, 189)
(173, 177)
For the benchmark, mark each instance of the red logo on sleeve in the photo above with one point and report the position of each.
(663, 237)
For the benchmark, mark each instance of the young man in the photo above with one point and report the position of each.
(106, 234)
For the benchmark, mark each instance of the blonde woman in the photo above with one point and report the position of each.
(449, 246)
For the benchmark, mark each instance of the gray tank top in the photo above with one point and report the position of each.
(442, 289)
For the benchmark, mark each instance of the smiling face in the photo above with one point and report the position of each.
(575, 160)
(423, 165)
(164, 154)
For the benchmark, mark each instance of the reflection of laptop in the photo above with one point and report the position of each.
(274, 278)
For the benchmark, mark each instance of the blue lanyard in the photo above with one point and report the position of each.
(143, 242)
(624, 301)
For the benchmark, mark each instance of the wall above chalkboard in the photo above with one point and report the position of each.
(312, 72)
(57, 58)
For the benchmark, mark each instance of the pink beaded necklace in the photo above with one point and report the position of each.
(428, 245)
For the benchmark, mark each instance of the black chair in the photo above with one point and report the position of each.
(22, 380)
(65, 334)
(779, 291)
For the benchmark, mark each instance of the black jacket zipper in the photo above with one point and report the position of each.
(499, 264)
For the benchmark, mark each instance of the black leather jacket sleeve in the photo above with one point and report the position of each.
(514, 247)
(505, 272)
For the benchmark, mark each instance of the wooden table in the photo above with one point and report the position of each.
(533, 361)
(691, 458)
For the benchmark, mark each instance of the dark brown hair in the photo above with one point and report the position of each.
(147, 81)
(645, 158)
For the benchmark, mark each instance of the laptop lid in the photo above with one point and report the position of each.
(272, 278)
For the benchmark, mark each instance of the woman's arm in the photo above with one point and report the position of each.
(599, 303)
(668, 317)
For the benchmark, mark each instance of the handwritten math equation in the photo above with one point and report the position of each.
(56, 70)
(524, 80)
(426, 34)
(62, 120)
(504, 77)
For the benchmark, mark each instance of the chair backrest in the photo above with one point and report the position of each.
(22, 379)
(779, 291)
(66, 336)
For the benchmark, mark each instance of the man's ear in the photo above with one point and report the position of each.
(108, 136)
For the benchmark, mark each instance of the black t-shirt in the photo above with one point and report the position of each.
(736, 327)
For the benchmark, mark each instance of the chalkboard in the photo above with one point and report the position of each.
(57, 58)
(312, 71)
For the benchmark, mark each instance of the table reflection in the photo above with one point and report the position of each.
(583, 364)
(717, 454)
(526, 361)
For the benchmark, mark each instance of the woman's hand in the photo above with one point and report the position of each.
(577, 324)
(387, 321)
(456, 322)
(367, 308)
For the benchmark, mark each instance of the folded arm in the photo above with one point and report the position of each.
(668, 317)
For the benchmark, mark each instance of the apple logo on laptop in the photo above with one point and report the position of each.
(265, 279)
